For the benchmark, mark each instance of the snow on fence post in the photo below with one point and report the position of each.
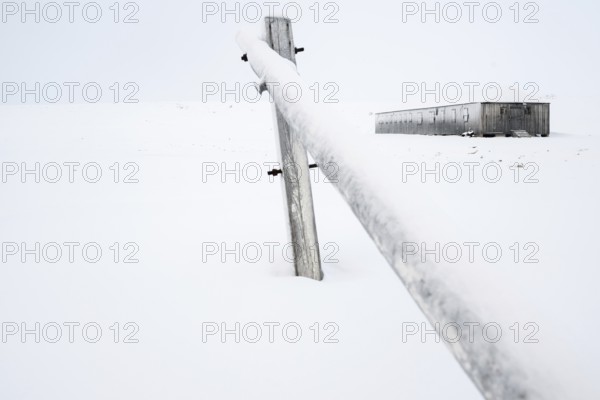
(491, 367)
(296, 170)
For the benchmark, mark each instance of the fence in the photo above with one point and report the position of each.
(492, 370)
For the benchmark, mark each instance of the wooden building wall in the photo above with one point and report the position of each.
(484, 119)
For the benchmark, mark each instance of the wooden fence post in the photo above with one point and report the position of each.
(296, 170)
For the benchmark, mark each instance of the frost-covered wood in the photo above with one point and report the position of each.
(495, 373)
(296, 174)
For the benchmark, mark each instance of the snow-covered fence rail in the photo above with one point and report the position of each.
(495, 373)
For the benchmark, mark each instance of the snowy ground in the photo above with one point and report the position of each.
(171, 214)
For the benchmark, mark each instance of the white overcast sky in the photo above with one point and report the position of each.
(369, 53)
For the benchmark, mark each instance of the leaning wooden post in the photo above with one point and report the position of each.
(296, 170)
